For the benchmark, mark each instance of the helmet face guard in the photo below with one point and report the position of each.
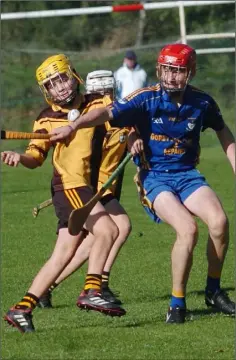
(57, 80)
(101, 82)
(173, 78)
(176, 66)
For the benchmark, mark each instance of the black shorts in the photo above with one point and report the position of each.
(116, 191)
(65, 201)
(106, 199)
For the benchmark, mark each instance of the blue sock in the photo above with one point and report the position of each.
(177, 302)
(213, 284)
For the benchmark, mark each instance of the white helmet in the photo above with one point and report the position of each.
(99, 80)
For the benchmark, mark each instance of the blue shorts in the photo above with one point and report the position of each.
(151, 183)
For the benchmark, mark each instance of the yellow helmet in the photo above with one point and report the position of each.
(52, 67)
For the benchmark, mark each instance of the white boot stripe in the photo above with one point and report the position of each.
(98, 300)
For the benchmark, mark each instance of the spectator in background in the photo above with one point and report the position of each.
(131, 76)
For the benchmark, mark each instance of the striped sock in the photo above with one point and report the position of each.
(93, 281)
(105, 279)
(29, 301)
(177, 299)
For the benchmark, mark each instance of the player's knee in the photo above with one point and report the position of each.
(125, 229)
(110, 232)
(189, 233)
(218, 225)
(114, 232)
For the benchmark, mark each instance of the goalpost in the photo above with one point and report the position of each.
(142, 6)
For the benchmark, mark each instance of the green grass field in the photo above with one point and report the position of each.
(141, 274)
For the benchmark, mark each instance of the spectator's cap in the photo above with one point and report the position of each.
(130, 54)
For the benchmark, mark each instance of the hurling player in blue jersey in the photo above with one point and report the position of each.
(170, 117)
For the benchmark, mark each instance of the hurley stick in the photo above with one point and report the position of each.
(41, 206)
(17, 135)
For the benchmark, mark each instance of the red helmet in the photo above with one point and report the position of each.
(180, 55)
(176, 66)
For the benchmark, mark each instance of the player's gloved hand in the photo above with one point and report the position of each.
(10, 158)
(61, 133)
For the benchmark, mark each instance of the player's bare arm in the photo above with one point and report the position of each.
(91, 119)
(12, 158)
(227, 141)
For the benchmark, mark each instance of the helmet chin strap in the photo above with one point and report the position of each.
(175, 91)
(68, 100)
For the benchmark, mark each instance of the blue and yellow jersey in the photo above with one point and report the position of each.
(171, 134)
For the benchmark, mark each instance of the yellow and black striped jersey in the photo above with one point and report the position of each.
(75, 163)
(114, 150)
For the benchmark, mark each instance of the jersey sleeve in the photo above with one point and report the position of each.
(38, 149)
(213, 118)
(126, 112)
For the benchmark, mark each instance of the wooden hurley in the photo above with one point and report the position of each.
(17, 135)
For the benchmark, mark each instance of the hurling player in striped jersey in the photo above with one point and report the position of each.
(75, 168)
(101, 85)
